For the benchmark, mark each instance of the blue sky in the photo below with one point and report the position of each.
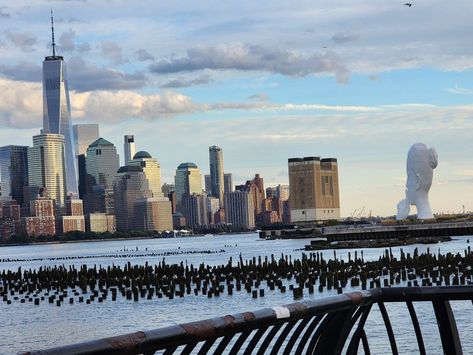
(268, 80)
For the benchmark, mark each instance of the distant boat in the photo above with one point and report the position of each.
(208, 235)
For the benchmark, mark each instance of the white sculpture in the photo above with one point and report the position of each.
(421, 162)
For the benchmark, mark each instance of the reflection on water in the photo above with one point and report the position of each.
(26, 326)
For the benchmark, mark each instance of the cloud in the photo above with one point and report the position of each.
(244, 57)
(184, 82)
(262, 96)
(23, 71)
(67, 43)
(459, 90)
(83, 76)
(342, 38)
(24, 40)
(143, 55)
(4, 12)
(113, 52)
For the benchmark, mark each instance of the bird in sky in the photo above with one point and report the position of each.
(408, 4)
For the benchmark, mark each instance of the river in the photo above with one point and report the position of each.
(26, 326)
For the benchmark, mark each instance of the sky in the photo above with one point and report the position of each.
(360, 81)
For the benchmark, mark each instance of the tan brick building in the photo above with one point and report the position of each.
(313, 189)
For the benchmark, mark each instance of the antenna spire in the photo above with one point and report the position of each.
(52, 34)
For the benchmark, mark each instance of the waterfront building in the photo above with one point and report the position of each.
(102, 164)
(66, 224)
(100, 223)
(57, 114)
(207, 184)
(216, 173)
(10, 219)
(130, 184)
(195, 209)
(129, 148)
(153, 214)
(13, 173)
(239, 210)
(178, 220)
(255, 188)
(188, 180)
(46, 167)
(151, 169)
(41, 220)
(314, 192)
(74, 207)
(84, 135)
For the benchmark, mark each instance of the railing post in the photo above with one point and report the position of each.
(447, 328)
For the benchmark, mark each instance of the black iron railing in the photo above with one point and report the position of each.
(330, 325)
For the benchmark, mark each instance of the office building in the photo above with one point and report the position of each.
(57, 113)
(207, 185)
(129, 148)
(255, 188)
(313, 189)
(239, 210)
(46, 167)
(188, 180)
(13, 173)
(41, 220)
(282, 192)
(102, 163)
(228, 183)
(216, 173)
(213, 206)
(153, 214)
(195, 210)
(84, 135)
(129, 186)
(167, 189)
(151, 169)
(100, 223)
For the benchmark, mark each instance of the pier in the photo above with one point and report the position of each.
(371, 232)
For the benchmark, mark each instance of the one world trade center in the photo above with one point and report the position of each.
(57, 110)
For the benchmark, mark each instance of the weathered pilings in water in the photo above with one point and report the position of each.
(60, 285)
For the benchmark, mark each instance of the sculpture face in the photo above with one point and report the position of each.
(421, 161)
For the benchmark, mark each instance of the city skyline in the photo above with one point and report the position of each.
(417, 90)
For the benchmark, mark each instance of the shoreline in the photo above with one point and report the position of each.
(52, 242)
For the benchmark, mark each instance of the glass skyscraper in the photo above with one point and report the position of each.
(217, 186)
(13, 172)
(46, 166)
(57, 111)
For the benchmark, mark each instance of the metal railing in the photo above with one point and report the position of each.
(330, 325)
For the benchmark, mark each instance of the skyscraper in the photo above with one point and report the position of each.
(239, 209)
(129, 185)
(13, 172)
(84, 135)
(102, 163)
(129, 147)
(57, 110)
(207, 185)
(313, 186)
(151, 169)
(188, 180)
(46, 166)
(216, 173)
(228, 183)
